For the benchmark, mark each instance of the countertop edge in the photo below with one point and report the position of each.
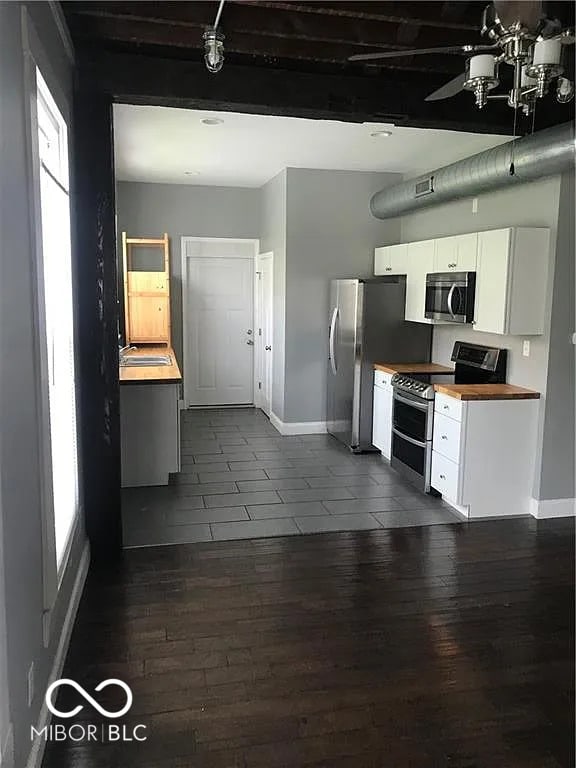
(510, 393)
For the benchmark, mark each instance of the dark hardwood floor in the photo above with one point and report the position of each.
(448, 646)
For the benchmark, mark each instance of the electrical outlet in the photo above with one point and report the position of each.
(474, 205)
(526, 348)
(31, 684)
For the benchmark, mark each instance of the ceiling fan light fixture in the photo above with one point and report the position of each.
(481, 77)
(545, 64)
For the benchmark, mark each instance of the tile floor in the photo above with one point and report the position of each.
(241, 479)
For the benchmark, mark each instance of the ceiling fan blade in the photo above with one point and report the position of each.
(458, 49)
(451, 88)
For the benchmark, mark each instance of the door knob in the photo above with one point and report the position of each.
(250, 343)
(268, 349)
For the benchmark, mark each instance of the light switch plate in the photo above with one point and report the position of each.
(526, 348)
(474, 205)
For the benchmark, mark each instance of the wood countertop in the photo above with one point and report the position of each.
(412, 368)
(151, 374)
(486, 392)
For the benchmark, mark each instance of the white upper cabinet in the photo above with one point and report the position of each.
(420, 262)
(511, 281)
(456, 254)
(390, 260)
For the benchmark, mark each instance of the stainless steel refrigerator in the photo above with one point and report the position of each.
(366, 326)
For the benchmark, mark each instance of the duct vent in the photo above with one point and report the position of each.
(424, 187)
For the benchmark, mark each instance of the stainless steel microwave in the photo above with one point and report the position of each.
(450, 296)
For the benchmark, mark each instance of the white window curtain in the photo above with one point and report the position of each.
(57, 279)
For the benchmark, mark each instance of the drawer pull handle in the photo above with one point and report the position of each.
(446, 407)
(444, 437)
(442, 477)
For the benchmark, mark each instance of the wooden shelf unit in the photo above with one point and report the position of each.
(146, 295)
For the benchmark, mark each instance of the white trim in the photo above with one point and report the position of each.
(298, 427)
(544, 508)
(7, 749)
(60, 21)
(260, 357)
(184, 271)
(37, 750)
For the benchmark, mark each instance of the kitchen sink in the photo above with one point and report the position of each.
(145, 360)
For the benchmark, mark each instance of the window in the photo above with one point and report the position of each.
(57, 314)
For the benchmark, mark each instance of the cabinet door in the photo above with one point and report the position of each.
(467, 252)
(390, 260)
(148, 319)
(420, 263)
(382, 420)
(456, 254)
(492, 281)
(445, 254)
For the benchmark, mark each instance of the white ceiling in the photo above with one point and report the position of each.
(160, 144)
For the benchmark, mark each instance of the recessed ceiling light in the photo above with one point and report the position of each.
(212, 121)
(191, 173)
(381, 134)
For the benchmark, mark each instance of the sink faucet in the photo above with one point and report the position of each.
(123, 350)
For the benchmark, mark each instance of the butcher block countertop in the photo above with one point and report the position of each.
(487, 392)
(412, 368)
(151, 374)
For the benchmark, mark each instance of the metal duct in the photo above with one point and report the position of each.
(541, 154)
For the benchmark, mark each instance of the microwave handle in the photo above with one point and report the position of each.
(450, 294)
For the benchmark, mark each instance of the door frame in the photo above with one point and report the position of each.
(260, 356)
(184, 266)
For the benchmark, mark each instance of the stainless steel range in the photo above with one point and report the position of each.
(413, 406)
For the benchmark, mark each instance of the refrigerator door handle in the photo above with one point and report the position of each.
(332, 351)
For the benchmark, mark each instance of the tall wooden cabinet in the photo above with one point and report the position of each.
(146, 292)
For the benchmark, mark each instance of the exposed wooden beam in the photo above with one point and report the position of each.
(397, 97)
(141, 31)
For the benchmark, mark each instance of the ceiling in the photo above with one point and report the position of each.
(290, 57)
(159, 144)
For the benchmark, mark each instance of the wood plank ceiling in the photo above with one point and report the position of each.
(307, 43)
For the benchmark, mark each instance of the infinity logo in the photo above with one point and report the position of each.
(89, 699)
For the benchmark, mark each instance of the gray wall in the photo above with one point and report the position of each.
(273, 238)
(535, 204)
(330, 233)
(20, 467)
(149, 210)
(557, 476)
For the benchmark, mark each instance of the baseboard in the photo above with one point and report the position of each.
(39, 744)
(298, 427)
(7, 749)
(545, 508)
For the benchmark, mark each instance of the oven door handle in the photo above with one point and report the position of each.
(408, 439)
(449, 300)
(412, 403)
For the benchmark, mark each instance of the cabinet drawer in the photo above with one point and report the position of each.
(446, 437)
(448, 406)
(382, 379)
(445, 476)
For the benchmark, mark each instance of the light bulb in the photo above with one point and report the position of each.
(214, 47)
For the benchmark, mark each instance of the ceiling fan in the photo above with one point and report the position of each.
(523, 37)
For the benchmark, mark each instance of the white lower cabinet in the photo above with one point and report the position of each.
(483, 455)
(382, 413)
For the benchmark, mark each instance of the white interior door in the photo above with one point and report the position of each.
(220, 337)
(265, 298)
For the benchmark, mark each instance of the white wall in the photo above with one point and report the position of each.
(534, 204)
(20, 467)
(330, 233)
(149, 210)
